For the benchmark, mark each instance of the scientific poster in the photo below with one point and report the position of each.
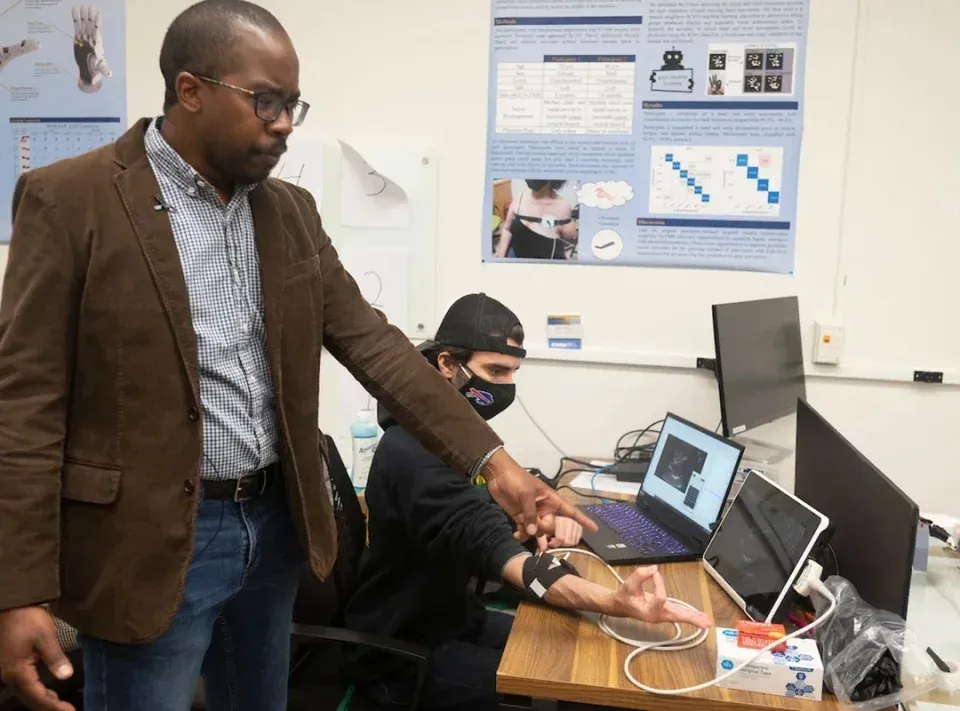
(647, 133)
(62, 85)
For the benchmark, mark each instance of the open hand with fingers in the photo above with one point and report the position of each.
(88, 48)
(633, 599)
(566, 534)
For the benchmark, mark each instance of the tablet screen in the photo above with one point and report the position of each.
(761, 541)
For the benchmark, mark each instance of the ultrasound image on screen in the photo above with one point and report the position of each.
(679, 462)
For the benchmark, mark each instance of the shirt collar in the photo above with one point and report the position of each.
(167, 161)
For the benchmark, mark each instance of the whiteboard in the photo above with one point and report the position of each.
(380, 210)
(901, 221)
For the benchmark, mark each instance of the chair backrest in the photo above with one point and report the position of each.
(322, 602)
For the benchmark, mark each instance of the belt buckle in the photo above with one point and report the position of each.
(238, 493)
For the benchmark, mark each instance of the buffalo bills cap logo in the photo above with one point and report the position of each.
(481, 397)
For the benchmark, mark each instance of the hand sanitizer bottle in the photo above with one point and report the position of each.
(365, 436)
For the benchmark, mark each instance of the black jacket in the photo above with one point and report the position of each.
(430, 530)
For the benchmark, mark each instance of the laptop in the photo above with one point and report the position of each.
(679, 504)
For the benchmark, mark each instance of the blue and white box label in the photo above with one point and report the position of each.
(565, 332)
(796, 673)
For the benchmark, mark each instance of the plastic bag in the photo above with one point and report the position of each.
(871, 658)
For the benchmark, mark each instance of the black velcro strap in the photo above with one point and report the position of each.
(542, 570)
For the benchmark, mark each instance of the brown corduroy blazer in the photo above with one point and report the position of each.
(100, 433)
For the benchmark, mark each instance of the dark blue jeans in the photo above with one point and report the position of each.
(233, 624)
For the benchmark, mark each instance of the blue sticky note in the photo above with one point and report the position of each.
(773, 198)
(668, 158)
(763, 184)
(676, 166)
(691, 182)
(704, 198)
(742, 160)
(684, 173)
(698, 190)
(753, 173)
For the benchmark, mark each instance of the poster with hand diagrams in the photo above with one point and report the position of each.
(62, 85)
(645, 133)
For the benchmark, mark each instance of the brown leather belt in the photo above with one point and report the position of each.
(245, 488)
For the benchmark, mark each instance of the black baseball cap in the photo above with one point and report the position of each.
(477, 322)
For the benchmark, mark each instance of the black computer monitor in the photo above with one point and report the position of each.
(874, 523)
(759, 361)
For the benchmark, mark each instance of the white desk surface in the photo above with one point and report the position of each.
(934, 613)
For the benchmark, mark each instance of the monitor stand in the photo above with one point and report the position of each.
(762, 454)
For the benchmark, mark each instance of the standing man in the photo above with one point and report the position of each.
(162, 317)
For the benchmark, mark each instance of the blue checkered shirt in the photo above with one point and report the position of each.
(221, 267)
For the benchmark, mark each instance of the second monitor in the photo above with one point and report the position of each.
(759, 353)
(875, 523)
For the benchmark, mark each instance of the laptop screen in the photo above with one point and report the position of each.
(691, 470)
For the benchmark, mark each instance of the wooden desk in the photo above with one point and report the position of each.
(560, 656)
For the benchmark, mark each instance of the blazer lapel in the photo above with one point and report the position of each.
(138, 188)
(270, 236)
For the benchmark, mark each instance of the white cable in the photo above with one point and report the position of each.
(542, 431)
(808, 581)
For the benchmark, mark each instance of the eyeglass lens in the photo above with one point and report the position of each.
(270, 106)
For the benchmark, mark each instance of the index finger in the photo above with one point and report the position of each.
(659, 588)
(570, 511)
(677, 613)
(528, 511)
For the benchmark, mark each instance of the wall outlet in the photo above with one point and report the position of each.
(828, 346)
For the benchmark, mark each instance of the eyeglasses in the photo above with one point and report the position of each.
(268, 105)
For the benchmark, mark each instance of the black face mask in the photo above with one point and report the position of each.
(488, 399)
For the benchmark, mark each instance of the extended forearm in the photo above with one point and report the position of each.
(387, 365)
(569, 592)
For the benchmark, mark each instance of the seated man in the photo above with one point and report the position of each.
(431, 529)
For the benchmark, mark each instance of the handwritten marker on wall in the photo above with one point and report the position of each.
(382, 274)
(302, 164)
(369, 195)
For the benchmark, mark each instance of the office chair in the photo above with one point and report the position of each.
(320, 605)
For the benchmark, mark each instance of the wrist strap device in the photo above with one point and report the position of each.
(542, 570)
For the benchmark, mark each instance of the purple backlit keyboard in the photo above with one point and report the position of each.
(636, 530)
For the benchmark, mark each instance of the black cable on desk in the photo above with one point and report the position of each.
(621, 453)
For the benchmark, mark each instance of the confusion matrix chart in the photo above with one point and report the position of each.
(716, 180)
